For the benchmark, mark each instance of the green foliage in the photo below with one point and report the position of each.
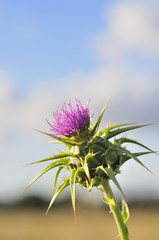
(109, 172)
(56, 177)
(96, 125)
(61, 162)
(72, 186)
(58, 156)
(92, 158)
(125, 211)
(108, 201)
(63, 185)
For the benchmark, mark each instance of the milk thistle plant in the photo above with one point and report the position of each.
(91, 157)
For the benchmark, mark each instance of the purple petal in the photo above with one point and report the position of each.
(70, 121)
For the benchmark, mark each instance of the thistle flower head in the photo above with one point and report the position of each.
(70, 121)
(91, 157)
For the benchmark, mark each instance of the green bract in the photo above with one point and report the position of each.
(92, 158)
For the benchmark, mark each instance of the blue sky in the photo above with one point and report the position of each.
(45, 39)
(53, 51)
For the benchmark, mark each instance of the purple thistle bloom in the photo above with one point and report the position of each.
(70, 122)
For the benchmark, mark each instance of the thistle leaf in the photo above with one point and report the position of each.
(128, 140)
(122, 130)
(85, 165)
(65, 140)
(111, 175)
(126, 157)
(72, 186)
(63, 161)
(125, 211)
(56, 177)
(96, 181)
(91, 160)
(61, 155)
(63, 185)
(108, 128)
(108, 201)
(123, 150)
(96, 125)
(97, 146)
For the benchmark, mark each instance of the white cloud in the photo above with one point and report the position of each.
(119, 82)
(131, 26)
(6, 91)
(6, 86)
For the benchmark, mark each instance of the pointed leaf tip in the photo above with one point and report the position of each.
(108, 201)
(128, 153)
(125, 129)
(60, 162)
(111, 175)
(56, 177)
(96, 125)
(125, 211)
(64, 140)
(63, 185)
(72, 186)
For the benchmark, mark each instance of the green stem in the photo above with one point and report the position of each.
(114, 207)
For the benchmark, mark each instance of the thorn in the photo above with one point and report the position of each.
(53, 190)
(148, 124)
(147, 169)
(47, 211)
(89, 179)
(30, 164)
(26, 188)
(75, 216)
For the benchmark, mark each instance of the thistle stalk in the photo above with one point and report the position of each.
(92, 159)
(114, 208)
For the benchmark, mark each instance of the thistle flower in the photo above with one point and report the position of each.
(72, 121)
(92, 159)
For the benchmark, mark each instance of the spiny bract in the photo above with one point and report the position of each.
(91, 157)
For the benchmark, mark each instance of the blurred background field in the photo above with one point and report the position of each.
(92, 224)
(30, 222)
